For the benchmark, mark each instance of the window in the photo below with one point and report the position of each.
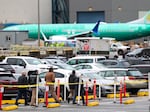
(12, 61)
(20, 62)
(59, 75)
(8, 38)
(79, 67)
(121, 73)
(87, 67)
(109, 74)
(72, 62)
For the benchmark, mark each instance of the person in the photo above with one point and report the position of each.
(50, 78)
(86, 47)
(77, 80)
(22, 80)
(33, 81)
(71, 80)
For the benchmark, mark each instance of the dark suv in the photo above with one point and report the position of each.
(7, 79)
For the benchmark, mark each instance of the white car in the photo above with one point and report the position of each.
(134, 79)
(25, 63)
(84, 59)
(89, 66)
(61, 75)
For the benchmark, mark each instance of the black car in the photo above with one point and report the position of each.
(143, 68)
(141, 53)
(120, 63)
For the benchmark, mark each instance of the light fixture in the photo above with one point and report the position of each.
(90, 8)
(119, 8)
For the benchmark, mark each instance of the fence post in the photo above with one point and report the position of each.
(86, 94)
(58, 89)
(115, 81)
(1, 96)
(46, 95)
(124, 87)
(149, 85)
(121, 92)
(94, 89)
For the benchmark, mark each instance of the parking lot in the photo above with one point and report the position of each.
(141, 104)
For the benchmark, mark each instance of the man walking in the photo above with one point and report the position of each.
(50, 78)
(22, 80)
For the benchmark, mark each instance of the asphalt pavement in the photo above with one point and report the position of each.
(141, 104)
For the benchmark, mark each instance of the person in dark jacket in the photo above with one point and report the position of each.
(80, 82)
(22, 80)
(33, 81)
(71, 80)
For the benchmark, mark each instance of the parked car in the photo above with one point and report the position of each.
(106, 85)
(120, 63)
(142, 53)
(7, 79)
(84, 59)
(7, 67)
(134, 79)
(25, 63)
(56, 63)
(62, 58)
(89, 66)
(61, 75)
(120, 48)
(143, 68)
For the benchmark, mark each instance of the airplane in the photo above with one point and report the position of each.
(119, 31)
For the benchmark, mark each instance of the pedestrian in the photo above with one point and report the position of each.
(71, 80)
(22, 80)
(77, 80)
(86, 47)
(33, 81)
(50, 78)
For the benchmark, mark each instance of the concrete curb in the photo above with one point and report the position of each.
(129, 101)
(53, 105)
(91, 104)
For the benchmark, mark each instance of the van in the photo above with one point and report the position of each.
(85, 59)
(24, 63)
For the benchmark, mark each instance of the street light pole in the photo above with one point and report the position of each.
(38, 23)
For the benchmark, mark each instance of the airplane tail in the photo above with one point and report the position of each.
(147, 18)
(95, 29)
(144, 20)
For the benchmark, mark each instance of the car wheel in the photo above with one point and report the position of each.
(29, 93)
(120, 52)
(134, 91)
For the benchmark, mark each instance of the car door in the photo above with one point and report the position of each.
(16, 64)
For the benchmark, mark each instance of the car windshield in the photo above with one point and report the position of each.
(65, 66)
(125, 63)
(33, 61)
(42, 75)
(136, 51)
(92, 75)
(135, 73)
(99, 65)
